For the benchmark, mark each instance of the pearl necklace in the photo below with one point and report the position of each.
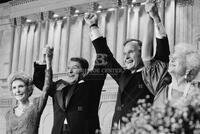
(22, 109)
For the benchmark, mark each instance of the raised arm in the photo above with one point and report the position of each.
(161, 49)
(147, 47)
(48, 79)
(39, 73)
(156, 63)
(99, 42)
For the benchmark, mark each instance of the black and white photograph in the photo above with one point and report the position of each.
(100, 67)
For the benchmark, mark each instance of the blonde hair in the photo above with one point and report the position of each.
(23, 77)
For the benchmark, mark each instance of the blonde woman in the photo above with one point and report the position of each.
(24, 118)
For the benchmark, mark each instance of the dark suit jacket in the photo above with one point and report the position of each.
(82, 109)
(132, 87)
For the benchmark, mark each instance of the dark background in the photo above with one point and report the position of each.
(4, 1)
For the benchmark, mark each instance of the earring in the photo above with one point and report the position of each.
(187, 77)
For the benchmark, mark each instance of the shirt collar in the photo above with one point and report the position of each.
(138, 70)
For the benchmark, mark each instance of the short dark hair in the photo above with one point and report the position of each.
(133, 40)
(83, 62)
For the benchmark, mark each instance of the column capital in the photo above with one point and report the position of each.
(13, 22)
(20, 20)
(93, 6)
(126, 2)
(185, 2)
(19, 2)
(36, 17)
(116, 3)
(48, 15)
(136, 7)
(70, 11)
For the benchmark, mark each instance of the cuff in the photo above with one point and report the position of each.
(38, 65)
(94, 33)
(147, 59)
(160, 31)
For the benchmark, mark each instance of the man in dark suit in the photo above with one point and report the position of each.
(75, 99)
(132, 83)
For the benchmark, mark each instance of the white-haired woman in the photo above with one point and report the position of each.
(184, 65)
(24, 118)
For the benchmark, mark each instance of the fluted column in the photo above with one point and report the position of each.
(75, 37)
(37, 38)
(56, 42)
(16, 47)
(65, 38)
(18, 57)
(29, 50)
(170, 26)
(45, 30)
(121, 36)
(116, 19)
(51, 32)
(12, 37)
(133, 26)
(23, 45)
(64, 45)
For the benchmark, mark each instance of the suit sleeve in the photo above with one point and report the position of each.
(39, 75)
(155, 72)
(111, 66)
(162, 50)
(39, 78)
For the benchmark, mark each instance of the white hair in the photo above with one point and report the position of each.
(191, 55)
(184, 48)
(193, 60)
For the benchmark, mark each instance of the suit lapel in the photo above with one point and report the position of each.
(69, 94)
(63, 97)
(59, 98)
(60, 92)
(71, 91)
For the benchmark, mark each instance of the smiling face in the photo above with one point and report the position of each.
(20, 90)
(74, 72)
(177, 64)
(132, 55)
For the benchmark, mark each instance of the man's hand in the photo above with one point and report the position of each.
(42, 61)
(49, 53)
(152, 9)
(91, 19)
(49, 56)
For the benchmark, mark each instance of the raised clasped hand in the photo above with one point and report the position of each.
(90, 18)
